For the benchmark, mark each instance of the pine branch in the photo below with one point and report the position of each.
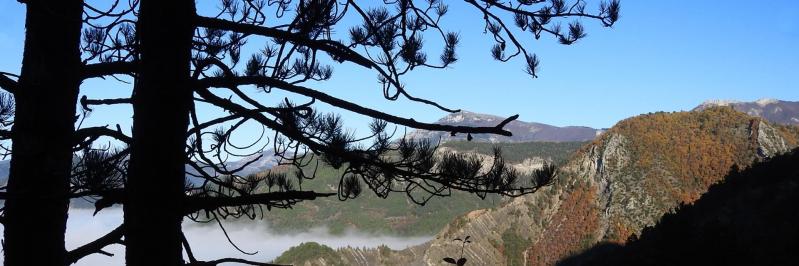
(224, 82)
(197, 203)
(355, 157)
(335, 49)
(338, 51)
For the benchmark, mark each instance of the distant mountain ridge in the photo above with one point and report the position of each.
(522, 131)
(253, 164)
(265, 162)
(773, 110)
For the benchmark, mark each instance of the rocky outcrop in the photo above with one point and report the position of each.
(769, 141)
(749, 219)
(356, 256)
(527, 166)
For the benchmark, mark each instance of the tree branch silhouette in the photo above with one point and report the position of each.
(226, 82)
(96, 246)
(198, 203)
(96, 70)
(8, 84)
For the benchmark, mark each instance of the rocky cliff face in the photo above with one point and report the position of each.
(352, 256)
(748, 219)
(769, 140)
(625, 180)
(775, 111)
(522, 131)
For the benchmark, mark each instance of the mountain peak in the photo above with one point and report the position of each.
(522, 131)
(467, 116)
(718, 102)
(766, 101)
(773, 110)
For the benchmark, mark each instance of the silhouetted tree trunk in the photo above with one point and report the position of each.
(36, 208)
(161, 101)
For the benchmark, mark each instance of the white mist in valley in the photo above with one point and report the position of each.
(209, 242)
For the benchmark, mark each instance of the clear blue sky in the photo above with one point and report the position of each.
(660, 56)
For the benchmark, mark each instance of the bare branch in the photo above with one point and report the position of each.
(97, 70)
(93, 133)
(8, 84)
(85, 102)
(96, 246)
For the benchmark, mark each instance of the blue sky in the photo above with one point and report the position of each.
(660, 56)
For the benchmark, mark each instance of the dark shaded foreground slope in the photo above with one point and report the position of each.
(748, 219)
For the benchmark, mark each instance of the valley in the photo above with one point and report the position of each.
(396, 215)
(609, 190)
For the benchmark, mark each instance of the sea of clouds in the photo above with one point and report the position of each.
(209, 242)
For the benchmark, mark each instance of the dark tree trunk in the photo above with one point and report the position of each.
(36, 208)
(161, 101)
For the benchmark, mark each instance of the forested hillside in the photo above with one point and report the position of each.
(748, 219)
(631, 176)
(516, 152)
(396, 215)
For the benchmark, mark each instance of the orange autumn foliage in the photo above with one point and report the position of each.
(696, 149)
(677, 156)
(572, 230)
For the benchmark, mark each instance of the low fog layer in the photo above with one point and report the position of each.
(208, 241)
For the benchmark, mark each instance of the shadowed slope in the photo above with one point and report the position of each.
(748, 219)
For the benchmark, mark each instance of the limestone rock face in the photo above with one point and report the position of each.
(769, 141)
